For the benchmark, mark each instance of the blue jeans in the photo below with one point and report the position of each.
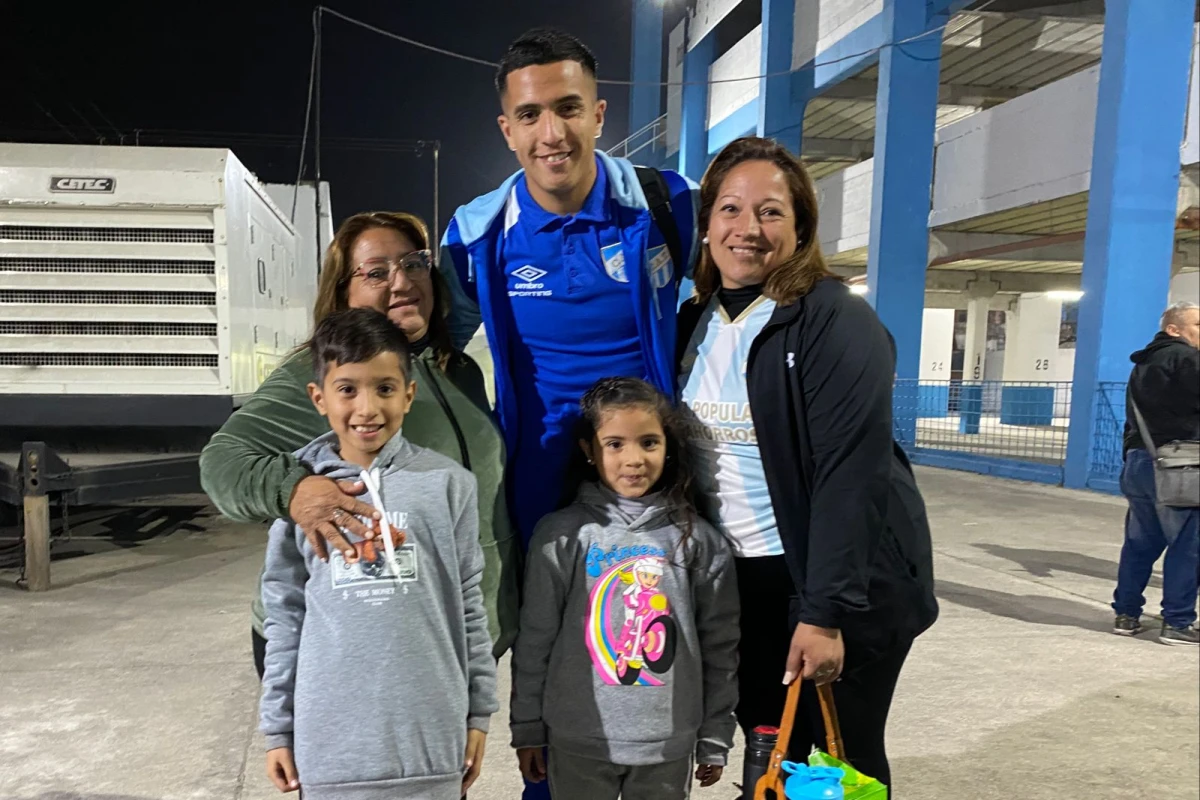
(1149, 530)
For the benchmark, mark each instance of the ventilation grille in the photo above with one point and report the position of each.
(108, 328)
(57, 234)
(105, 360)
(110, 298)
(108, 265)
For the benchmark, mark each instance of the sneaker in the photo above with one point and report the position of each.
(1126, 625)
(1184, 636)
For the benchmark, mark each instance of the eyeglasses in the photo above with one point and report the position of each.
(380, 272)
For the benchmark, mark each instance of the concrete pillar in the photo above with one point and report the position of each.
(645, 96)
(898, 247)
(937, 346)
(779, 116)
(693, 149)
(1140, 110)
(980, 294)
(1012, 335)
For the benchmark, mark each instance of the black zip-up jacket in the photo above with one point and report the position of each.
(1165, 382)
(854, 529)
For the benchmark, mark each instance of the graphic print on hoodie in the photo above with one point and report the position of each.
(630, 633)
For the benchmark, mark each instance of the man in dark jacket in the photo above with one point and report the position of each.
(1165, 385)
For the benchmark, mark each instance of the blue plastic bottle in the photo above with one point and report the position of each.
(812, 783)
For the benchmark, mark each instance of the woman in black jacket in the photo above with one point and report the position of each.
(789, 379)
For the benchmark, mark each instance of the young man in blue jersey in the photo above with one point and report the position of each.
(564, 264)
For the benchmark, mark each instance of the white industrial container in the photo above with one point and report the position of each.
(141, 273)
(310, 251)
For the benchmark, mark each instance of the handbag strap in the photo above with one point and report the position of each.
(772, 780)
(1146, 440)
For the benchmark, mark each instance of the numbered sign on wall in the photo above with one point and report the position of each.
(937, 342)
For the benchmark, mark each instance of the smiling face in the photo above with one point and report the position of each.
(629, 450)
(752, 229)
(365, 404)
(407, 299)
(551, 121)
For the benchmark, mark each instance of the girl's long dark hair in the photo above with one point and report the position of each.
(678, 481)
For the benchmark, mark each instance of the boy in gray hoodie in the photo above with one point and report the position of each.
(379, 672)
(625, 663)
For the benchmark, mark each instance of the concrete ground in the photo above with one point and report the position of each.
(132, 678)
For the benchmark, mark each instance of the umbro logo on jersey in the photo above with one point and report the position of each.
(529, 282)
(529, 273)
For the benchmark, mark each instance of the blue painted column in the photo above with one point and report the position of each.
(1131, 201)
(693, 145)
(898, 248)
(780, 117)
(645, 96)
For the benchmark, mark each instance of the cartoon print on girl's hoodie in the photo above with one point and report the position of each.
(633, 647)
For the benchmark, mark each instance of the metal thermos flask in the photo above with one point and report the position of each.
(759, 744)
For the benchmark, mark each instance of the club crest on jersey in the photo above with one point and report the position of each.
(661, 268)
(614, 262)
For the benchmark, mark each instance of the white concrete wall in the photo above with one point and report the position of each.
(1033, 148)
(937, 343)
(817, 24)
(844, 200)
(1189, 152)
(1034, 354)
(743, 60)
(1185, 286)
(707, 15)
(677, 44)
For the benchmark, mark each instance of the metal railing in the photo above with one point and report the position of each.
(1108, 433)
(1017, 428)
(653, 136)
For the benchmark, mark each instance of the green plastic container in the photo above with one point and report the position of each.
(856, 785)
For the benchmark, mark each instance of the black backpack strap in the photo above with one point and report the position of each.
(658, 198)
(685, 325)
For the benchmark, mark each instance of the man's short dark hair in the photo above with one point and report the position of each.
(355, 337)
(543, 46)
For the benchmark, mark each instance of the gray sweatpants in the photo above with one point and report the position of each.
(588, 779)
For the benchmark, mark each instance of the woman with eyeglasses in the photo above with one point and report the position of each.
(378, 260)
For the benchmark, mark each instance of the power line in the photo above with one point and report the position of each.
(180, 137)
(610, 82)
(53, 118)
(312, 74)
(107, 121)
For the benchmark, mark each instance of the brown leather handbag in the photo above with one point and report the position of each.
(773, 780)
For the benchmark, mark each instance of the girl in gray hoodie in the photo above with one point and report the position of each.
(624, 666)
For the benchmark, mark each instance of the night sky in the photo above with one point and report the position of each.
(105, 69)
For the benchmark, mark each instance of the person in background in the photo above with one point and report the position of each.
(401, 619)
(626, 658)
(788, 377)
(1165, 385)
(571, 277)
(378, 260)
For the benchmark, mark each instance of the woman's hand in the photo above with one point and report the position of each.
(709, 774)
(322, 507)
(281, 769)
(533, 764)
(473, 760)
(816, 654)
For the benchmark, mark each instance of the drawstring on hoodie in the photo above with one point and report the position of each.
(372, 480)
